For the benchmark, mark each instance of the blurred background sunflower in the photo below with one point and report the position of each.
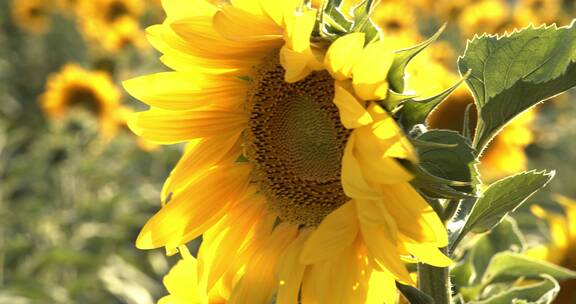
(76, 185)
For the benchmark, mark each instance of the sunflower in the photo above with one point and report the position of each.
(290, 172)
(562, 248)
(397, 19)
(113, 24)
(449, 10)
(537, 11)
(76, 88)
(486, 16)
(31, 15)
(505, 154)
(68, 7)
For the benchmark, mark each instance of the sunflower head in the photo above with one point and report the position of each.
(31, 15)
(113, 24)
(292, 139)
(74, 88)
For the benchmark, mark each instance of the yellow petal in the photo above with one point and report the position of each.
(236, 24)
(259, 282)
(371, 70)
(382, 289)
(192, 211)
(291, 271)
(376, 166)
(182, 284)
(200, 155)
(299, 29)
(342, 279)
(417, 220)
(381, 244)
(226, 240)
(343, 54)
(428, 254)
(169, 127)
(353, 180)
(295, 64)
(185, 91)
(336, 232)
(176, 9)
(352, 112)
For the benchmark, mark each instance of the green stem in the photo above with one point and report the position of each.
(435, 281)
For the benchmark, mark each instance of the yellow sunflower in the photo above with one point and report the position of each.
(450, 10)
(68, 7)
(562, 248)
(31, 15)
(290, 173)
(397, 19)
(505, 154)
(113, 24)
(537, 12)
(75, 87)
(485, 16)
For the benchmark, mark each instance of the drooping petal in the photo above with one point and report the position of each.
(342, 279)
(343, 54)
(382, 289)
(380, 236)
(196, 208)
(353, 180)
(259, 282)
(225, 241)
(371, 70)
(428, 254)
(291, 271)
(200, 155)
(406, 205)
(353, 114)
(335, 233)
(182, 284)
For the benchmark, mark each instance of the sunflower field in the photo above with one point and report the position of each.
(288, 151)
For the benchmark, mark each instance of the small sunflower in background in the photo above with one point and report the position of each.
(486, 16)
(562, 247)
(32, 16)
(74, 88)
(449, 10)
(397, 19)
(113, 24)
(290, 174)
(537, 12)
(68, 7)
(505, 155)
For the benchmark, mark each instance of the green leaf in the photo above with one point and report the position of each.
(333, 23)
(508, 267)
(416, 111)
(414, 295)
(542, 292)
(514, 72)
(403, 57)
(445, 167)
(502, 197)
(362, 22)
(504, 237)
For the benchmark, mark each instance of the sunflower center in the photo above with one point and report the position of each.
(116, 10)
(36, 11)
(296, 141)
(85, 99)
